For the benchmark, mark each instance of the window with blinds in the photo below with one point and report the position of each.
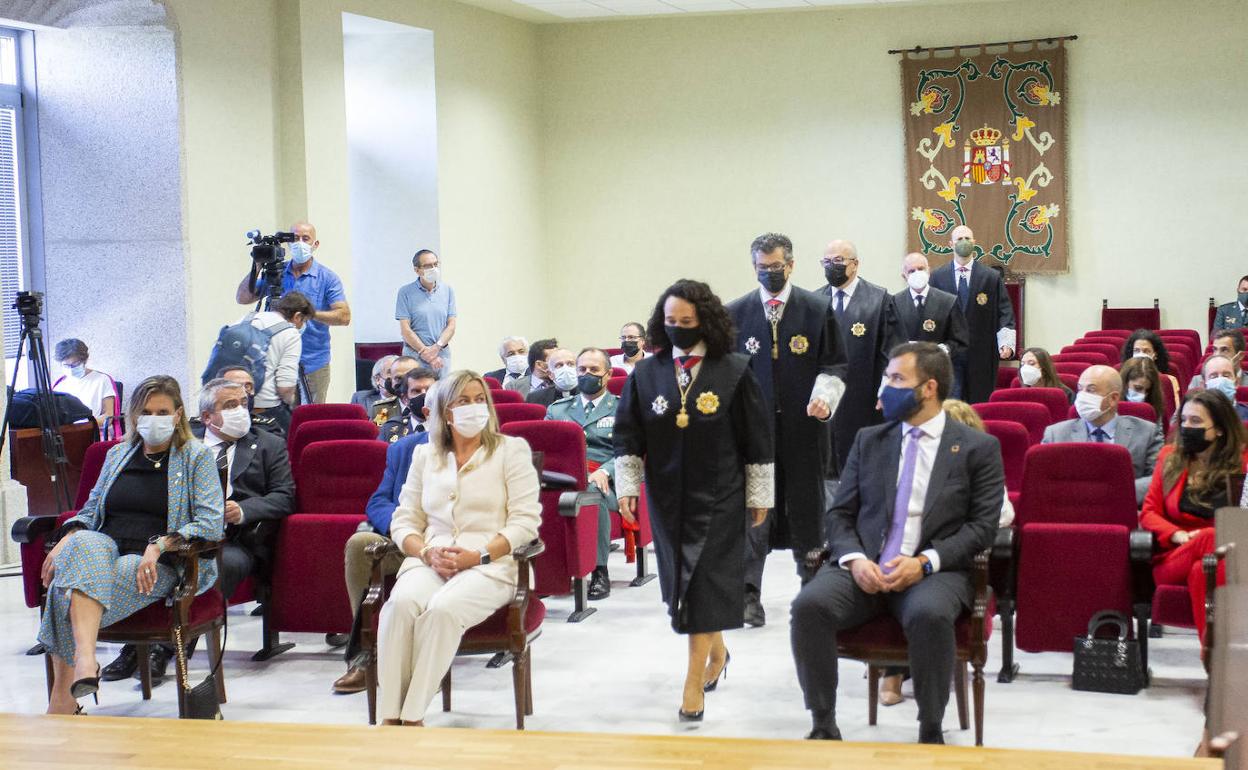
(12, 210)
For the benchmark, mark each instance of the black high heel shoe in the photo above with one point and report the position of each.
(690, 716)
(89, 685)
(723, 672)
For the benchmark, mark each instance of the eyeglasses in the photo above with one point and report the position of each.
(426, 267)
(837, 261)
(629, 338)
(771, 268)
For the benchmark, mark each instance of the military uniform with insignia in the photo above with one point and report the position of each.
(398, 426)
(599, 427)
(1232, 315)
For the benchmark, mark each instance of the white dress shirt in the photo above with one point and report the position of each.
(765, 296)
(1006, 337)
(618, 361)
(212, 441)
(848, 289)
(929, 443)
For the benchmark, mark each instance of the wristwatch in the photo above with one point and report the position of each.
(927, 565)
(485, 555)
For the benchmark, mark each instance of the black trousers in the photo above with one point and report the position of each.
(927, 611)
(236, 564)
(758, 539)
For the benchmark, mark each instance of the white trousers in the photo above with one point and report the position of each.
(420, 629)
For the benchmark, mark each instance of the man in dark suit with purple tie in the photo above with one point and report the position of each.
(919, 498)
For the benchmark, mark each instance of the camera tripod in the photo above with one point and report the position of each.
(29, 307)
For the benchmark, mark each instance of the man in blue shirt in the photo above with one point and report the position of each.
(324, 288)
(425, 310)
(379, 511)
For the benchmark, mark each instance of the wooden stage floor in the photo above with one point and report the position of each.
(86, 743)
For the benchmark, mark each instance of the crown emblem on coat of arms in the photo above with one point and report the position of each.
(986, 136)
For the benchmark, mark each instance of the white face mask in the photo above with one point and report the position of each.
(470, 419)
(565, 377)
(1142, 354)
(917, 280)
(235, 422)
(1088, 405)
(517, 363)
(300, 253)
(1136, 396)
(1029, 375)
(76, 370)
(431, 274)
(155, 429)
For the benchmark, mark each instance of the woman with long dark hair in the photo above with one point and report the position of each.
(1201, 471)
(693, 423)
(1148, 344)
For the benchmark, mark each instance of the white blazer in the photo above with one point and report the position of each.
(467, 507)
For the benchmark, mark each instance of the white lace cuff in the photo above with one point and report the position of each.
(829, 390)
(760, 485)
(628, 476)
(1006, 338)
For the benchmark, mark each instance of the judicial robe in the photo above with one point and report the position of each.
(987, 311)
(866, 335)
(700, 480)
(947, 327)
(808, 344)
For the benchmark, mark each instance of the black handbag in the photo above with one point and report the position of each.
(201, 700)
(1108, 665)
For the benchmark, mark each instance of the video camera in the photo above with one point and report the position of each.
(29, 305)
(270, 259)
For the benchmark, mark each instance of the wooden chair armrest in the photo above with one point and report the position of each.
(380, 550)
(1209, 564)
(529, 551)
(815, 559)
(189, 552)
(1141, 546)
(30, 529)
(979, 611)
(520, 602)
(570, 503)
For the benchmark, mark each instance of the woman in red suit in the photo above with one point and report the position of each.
(1195, 475)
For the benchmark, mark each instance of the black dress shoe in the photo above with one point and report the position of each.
(931, 732)
(754, 615)
(123, 666)
(599, 584)
(337, 640)
(158, 661)
(824, 734)
(690, 716)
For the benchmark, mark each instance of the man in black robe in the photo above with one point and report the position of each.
(989, 317)
(924, 314)
(798, 357)
(862, 313)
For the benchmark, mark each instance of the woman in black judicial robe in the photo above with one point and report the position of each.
(692, 420)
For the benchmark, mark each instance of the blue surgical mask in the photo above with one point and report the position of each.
(77, 370)
(898, 403)
(300, 253)
(1136, 396)
(1224, 385)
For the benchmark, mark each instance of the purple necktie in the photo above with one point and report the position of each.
(901, 509)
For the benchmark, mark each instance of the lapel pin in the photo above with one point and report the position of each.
(955, 448)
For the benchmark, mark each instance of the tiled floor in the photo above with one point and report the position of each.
(621, 670)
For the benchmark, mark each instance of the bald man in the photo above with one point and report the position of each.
(989, 317)
(924, 314)
(324, 288)
(1100, 390)
(862, 314)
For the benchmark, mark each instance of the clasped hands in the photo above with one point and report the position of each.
(905, 572)
(450, 560)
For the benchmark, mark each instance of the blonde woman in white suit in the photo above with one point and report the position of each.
(471, 498)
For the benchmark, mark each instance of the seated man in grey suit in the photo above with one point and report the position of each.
(919, 498)
(538, 377)
(1100, 390)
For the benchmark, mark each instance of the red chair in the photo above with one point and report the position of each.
(1032, 416)
(1084, 357)
(1071, 367)
(1006, 375)
(1111, 352)
(492, 383)
(618, 372)
(643, 537)
(614, 351)
(1077, 511)
(312, 412)
(1015, 441)
(1069, 380)
(615, 385)
(375, 351)
(329, 430)
(1116, 334)
(1182, 342)
(515, 412)
(1192, 335)
(1181, 365)
(1169, 403)
(333, 482)
(1241, 395)
(1053, 399)
(569, 511)
(506, 396)
(1141, 410)
(1130, 317)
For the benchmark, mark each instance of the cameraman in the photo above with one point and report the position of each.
(324, 289)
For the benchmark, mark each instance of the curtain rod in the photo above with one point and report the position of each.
(921, 49)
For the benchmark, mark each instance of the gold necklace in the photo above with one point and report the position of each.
(684, 384)
(158, 459)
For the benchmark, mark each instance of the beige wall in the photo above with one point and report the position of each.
(670, 143)
(264, 143)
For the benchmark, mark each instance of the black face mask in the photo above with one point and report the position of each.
(589, 384)
(772, 280)
(684, 337)
(416, 406)
(251, 402)
(393, 386)
(836, 274)
(1193, 440)
(630, 348)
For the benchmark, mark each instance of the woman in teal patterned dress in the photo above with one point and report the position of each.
(157, 485)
